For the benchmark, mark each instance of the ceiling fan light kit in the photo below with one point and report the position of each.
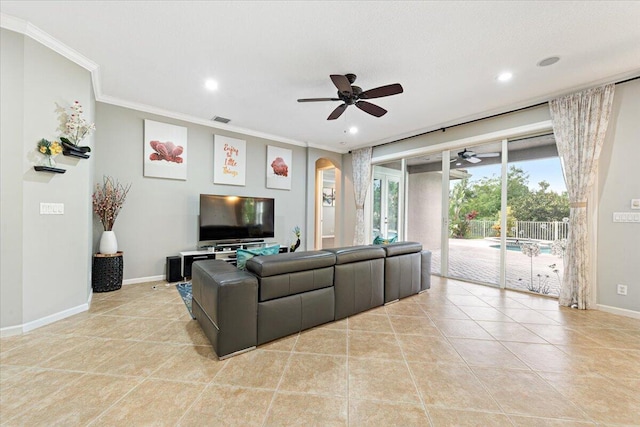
(354, 95)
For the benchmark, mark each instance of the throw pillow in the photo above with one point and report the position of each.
(244, 255)
(380, 241)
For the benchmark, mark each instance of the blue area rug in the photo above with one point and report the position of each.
(185, 292)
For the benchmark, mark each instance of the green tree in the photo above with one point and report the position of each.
(542, 205)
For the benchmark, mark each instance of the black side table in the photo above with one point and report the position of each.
(106, 273)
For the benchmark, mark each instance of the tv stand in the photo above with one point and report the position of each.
(224, 251)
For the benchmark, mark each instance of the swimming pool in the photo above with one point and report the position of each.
(543, 249)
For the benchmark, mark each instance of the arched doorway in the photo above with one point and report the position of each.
(327, 204)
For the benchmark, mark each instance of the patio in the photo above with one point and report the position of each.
(475, 260)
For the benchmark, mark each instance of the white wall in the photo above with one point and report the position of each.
(160, 216)
(619, 182)
(45, 258)
(424, 209)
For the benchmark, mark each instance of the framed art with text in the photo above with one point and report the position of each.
(229, 160)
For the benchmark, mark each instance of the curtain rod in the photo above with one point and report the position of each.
(443, 129)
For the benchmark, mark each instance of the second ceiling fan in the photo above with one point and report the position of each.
(354, 95)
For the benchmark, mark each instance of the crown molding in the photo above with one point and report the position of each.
(195, 120)
(23, 27)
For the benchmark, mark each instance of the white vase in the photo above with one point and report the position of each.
(108, 243)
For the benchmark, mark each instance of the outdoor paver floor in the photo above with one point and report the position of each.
(477, 261)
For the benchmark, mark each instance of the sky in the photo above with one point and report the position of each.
(539, 170)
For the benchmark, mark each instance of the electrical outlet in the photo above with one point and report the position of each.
(622, 289)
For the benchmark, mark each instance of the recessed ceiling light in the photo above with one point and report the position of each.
(548, 61)
(211, 84)
(353, 130)
(505, 76)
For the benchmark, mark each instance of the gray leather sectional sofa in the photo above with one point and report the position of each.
(283, 294)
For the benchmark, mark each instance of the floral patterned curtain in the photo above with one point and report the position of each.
(361, 161)
(579, 123)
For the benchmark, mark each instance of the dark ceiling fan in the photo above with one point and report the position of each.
(472, 157)
(351, 95)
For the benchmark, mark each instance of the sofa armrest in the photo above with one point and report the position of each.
(425, 270)
(225, 303)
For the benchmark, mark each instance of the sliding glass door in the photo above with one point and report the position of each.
(499, 216)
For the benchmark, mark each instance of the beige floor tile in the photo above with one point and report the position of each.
(370, 322)
(462, 329)
(456, 418)
(290, 409)
(322, 341)
(56, 414)
(561, 335)
(258, 369)
(33, 389)
(428, 349)
(402, 308)
(541, 357)
(88, 355)
(39, 349)
(603, 400)
(485, 313)
(525, 393)
(528, 316)
(445, 311)
(180, 331)
(520, 421)
(510, 331)
(372, 344)
(191, 363)
(140, 359)
(467, 300)
(164, 402)
(62, 373)
(222, 405)
(451, 385)
(486, 353)
(376, 379)
(412, 325)
(316, 374)
(283, 344)
(613, 338)
(375, 413)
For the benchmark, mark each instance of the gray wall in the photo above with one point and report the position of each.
(45, 258)
(160, 216)
(619, 182)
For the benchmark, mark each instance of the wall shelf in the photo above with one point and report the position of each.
(49, 169)
(77, 154)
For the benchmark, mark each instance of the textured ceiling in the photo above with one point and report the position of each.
(265, 55)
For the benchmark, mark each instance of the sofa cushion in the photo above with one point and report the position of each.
(265, 266)
(351, 254)
(402, 248)
(244, 255)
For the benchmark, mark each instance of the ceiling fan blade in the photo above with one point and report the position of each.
(370, 108)
(342, 83)
(337, 112)
(473, 159)
(488, 155)
(318, 99)
(381, 91)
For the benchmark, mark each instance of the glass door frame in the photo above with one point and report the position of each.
(385, 175)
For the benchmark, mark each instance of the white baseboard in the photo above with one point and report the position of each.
(38, 323)
(143, 280)
(10, 331)
(620, 311)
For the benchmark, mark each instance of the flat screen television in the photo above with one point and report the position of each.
(235, 218)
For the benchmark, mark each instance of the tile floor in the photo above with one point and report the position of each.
(459, 354)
